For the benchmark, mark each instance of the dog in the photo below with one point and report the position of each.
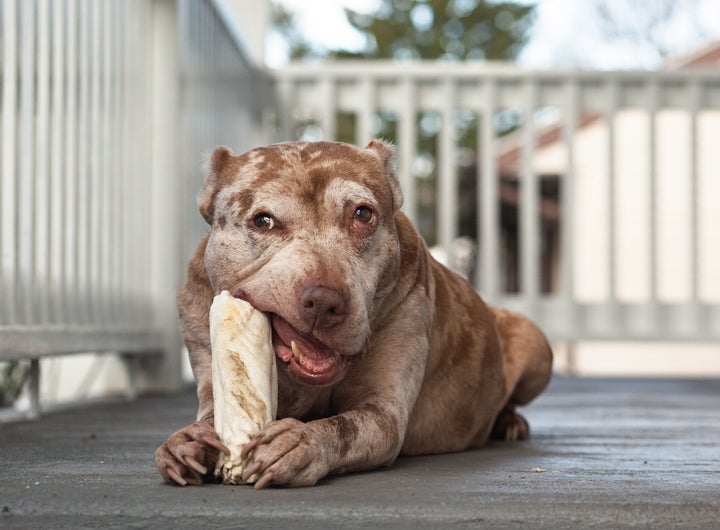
(394, 354)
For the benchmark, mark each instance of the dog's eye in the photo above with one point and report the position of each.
(364, 215)
(264, 220)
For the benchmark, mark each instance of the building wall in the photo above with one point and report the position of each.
(632, 236)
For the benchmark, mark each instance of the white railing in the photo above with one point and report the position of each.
(591, 196)
(106, 110)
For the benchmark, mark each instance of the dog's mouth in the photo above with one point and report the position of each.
(307, 358)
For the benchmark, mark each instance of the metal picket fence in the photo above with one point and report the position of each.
(106, 111)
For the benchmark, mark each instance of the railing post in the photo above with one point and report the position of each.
(568, 214)
(529, 215)
(166, 189)
(365, 127)
(447, 214)
(8, 164)
(488, 274)
(407, 147)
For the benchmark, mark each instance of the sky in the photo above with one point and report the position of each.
(564, 35)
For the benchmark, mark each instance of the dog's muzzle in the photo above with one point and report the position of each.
(306, 358)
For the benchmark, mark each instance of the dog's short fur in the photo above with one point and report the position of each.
(397, 354)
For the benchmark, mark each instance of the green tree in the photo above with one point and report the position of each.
(283, 22)
(13, 375)
(452, 30)
(442, 29)
(425, 29)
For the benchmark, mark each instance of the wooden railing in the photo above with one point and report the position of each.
(590, 196)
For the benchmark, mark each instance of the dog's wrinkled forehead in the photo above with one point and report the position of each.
(303, 170)
(307, 169)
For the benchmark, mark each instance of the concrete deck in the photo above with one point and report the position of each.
(604, 454)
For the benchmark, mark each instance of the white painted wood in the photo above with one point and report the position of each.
(109, 107)
(97, 177)
(610, 151)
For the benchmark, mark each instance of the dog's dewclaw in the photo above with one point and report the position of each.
(244, 379)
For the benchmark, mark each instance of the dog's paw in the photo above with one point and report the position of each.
(510, 426)
(189, 454)
(286, 452)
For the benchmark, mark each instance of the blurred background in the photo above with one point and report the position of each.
(562, 155)
(587, 34)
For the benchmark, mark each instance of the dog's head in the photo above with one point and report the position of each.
(306, 233)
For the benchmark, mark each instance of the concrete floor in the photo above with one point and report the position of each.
(603, 454)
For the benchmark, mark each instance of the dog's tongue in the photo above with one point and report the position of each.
(313, 355)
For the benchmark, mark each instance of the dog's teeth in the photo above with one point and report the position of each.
(317, 365)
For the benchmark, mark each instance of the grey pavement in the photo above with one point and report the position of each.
(603, 454)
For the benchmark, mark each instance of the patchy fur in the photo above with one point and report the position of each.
(312, 234)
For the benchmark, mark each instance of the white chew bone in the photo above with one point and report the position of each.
(244, 379)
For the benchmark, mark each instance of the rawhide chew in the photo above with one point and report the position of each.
(244, 379)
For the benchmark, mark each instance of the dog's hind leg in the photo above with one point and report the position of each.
(527, 369)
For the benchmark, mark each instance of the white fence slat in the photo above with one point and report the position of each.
(27, 224)
(571, 116)
(328, 110)
(132, 101)
(610, 123)
(652, 109)
(72, 204)
(447, 211)
(407, 147)
(83, 220)
(529, 197)
(8, 175)
(694, 106)
(58, 225)
(489, 250)
(95, 176)
(107, 174)
(366, 115)
(40, 292)
(117, 163)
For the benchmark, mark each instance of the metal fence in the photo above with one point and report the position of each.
(590, 196)
(106, 110)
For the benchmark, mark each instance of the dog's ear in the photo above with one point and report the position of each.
(214, 168)
(386, 151)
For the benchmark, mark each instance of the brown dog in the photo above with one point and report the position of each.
(395, 353)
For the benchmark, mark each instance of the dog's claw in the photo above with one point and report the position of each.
(194, 464)
(264, 481)
(249, 472)
(188, 454)
(175, 476)
(216, 444)
(248, 447)
(510, 426)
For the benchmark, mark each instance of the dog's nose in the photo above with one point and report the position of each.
(323, 306)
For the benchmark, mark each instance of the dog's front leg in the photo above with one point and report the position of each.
(189, 454)
(374, 404)
(289, 452)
